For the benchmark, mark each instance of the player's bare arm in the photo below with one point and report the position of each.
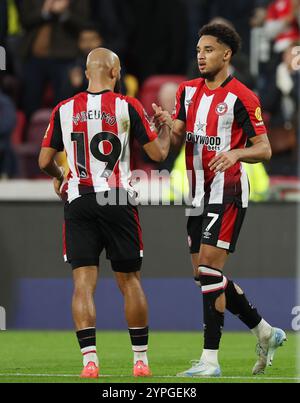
(259, 151)
(158, 149)
(177, 126)
(178, 134)
(48, 165)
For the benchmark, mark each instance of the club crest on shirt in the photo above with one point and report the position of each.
(222, 109)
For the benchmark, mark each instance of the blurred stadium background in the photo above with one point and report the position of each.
(156, 42)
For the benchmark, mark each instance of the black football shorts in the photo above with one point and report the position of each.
(219, 226)
(89, 228)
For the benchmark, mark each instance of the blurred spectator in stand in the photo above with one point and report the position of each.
(197, 16)
(260, 49)
(3, 22)
(281, 101)
(14, 35)
(10, 36)
(7, 124)
(50, 45)
(113, 18)
(239, 66)
(157, 47)
(237, 12)
(281, 25)
(279, 30)
(76, 81)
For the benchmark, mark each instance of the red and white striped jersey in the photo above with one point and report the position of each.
(217, 121)
(97, 130)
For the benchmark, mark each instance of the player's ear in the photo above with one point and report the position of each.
(114, 73)
(87, 74)
(227, 55)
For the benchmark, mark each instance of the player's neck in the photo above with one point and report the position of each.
(99, 86)
(218, 80)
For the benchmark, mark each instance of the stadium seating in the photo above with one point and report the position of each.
(285, 188)
(17, 136)
(151, 86)
(28, 151)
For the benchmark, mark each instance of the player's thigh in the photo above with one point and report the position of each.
(195, 263)
(212, 257)
(220, 230)
(124, 245)
(83, 238)
(194, 231)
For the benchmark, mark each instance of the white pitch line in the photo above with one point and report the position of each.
(157, 376)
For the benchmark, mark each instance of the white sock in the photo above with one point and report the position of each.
(262, 331)
(210, 357)
(140, 354)
(90, 355)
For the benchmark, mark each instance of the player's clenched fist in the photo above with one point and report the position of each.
(161, 117)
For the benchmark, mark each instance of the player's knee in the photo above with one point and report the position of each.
(129, 283)
(83, 284)
(197, 275)
(82, 290)
(213, 284)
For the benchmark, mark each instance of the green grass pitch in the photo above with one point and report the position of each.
(32, 357)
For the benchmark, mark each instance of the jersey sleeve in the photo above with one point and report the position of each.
(140, 125)
(53, 137)
(248, 114)
(180, 112)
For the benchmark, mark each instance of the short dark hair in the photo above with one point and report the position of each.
(224, 34)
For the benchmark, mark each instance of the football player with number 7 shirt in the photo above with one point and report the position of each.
(96, 128)
(216, 116)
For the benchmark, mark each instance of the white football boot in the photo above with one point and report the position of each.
(266, 350)
(201, 369)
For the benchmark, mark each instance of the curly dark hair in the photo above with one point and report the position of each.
(224, 34)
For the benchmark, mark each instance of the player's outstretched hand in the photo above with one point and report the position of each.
(224, 161)
(161, 117)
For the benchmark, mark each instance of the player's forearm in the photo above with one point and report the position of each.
(259, 152)
(51, 168)
(164, 138)
(177, 138)
(176, 142)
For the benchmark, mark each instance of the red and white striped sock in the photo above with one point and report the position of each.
(90, 355)
(140, 354)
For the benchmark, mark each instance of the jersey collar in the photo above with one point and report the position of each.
(98, 93)
(227, 81)
(220, 88)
